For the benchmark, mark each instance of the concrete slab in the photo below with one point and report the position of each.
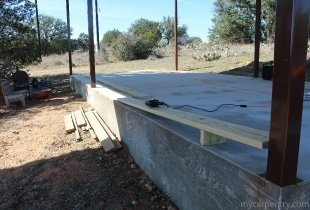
(208, 91)
(194, 176)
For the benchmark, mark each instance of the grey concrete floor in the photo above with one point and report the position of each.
(208, 91)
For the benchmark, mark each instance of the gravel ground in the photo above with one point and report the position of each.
(43, 168)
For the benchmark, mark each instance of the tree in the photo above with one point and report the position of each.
(128, 47)
(53, 33)
(269, 20)
(147, 29)
(167, 29)
(52, 28)
(82, 42)
(234, 21)
(17, 38)
(110, 37)
(194, 39)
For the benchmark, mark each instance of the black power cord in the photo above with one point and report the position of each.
(155, 103)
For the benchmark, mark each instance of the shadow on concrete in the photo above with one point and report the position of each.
(248, 70)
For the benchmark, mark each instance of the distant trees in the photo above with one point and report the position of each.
(234, 21)
(141, 39)
(52, 28)
(110, 37)
(16, 34)
(53, 33)
(128, 47)
(194, 39)
(167, 29)
(81, 43)
(146, 29)
(17, 38)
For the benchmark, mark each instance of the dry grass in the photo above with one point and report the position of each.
(235, 59)
(232, 56)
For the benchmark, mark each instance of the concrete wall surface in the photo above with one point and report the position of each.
(193, 176)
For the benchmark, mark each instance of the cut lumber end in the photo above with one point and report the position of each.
(117, 144)
(106, 128)
(86, 120)
(107, 145)
(207, 138)
(92, 134)
(69, 126)
(102, 136)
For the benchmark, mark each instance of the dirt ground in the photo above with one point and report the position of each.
(43, 168)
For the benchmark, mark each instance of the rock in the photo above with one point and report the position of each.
(132, 166)
(148, 187)
(134, 203)
(171, 208)
(154, 198)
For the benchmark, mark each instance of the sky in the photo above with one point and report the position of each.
(120, 14)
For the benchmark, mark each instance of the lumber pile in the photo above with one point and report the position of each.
(81, 122)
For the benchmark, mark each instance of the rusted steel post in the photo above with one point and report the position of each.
(97, 26)
(257, 38)
(288, 89)
(91, 43)
(176, 50)
(69, 36)
(38, 31)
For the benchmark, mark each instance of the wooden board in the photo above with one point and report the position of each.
(77, 134)
(242, 134)
(102, 136)
(108, 131)
(79, 118)
(83, 113)
(69, 126)
(88, 127)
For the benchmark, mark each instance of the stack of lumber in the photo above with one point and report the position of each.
(80, 121)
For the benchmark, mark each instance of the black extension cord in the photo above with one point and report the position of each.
(155, 103)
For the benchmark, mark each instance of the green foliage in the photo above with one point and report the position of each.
(16, 34)
(269, 20)
(58, 63)
(167, 29)
(53, 32)
(82, 42)
(128, 47)
(147, 30)
(194, 40)
(109, 38)
(234, 21)
(208, 57)
(52, 28)
(17, 38)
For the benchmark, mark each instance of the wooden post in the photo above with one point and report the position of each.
(257, 38)
(176, 50)
(288, 90)
(69, 36)
(91, 43)
(97, 26)
(38, 31)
